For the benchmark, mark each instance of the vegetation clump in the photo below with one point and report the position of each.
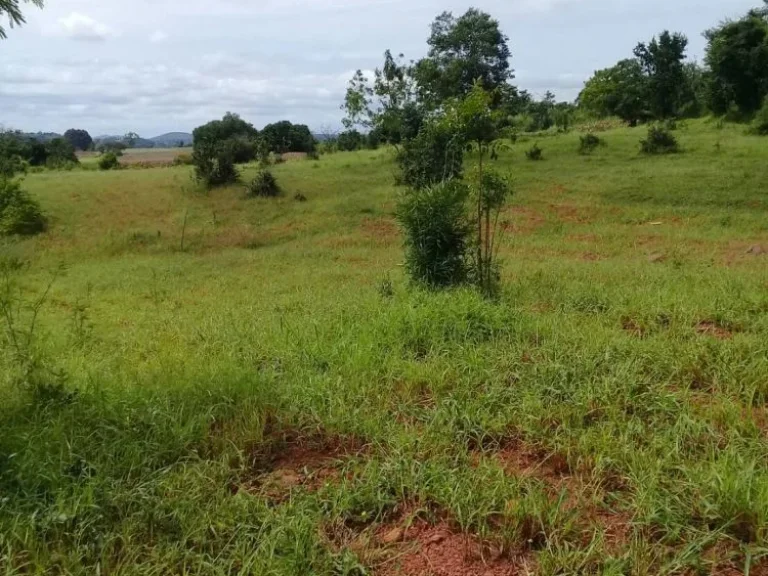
(659, 141)
(760, 122)
(19, 213)
(109, 161)
(264, 185)
(589, 142)
(535, 153)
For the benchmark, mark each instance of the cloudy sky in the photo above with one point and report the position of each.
(154, 66)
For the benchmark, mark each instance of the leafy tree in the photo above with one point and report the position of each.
(737, 55)
(662, 63)
(130, 139)
(12, 9)
(463, 50)
(350, 140)
(284, 137)
(230, 138)
(618, 91)
(60, 153)
(434, 155)
(80, 139)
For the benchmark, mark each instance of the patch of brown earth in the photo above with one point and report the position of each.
(381, 229)
(592, 257)
(438, 550)
(282, 464)
(522, 220)
(709, 328)
(632, 327)
(570, 213)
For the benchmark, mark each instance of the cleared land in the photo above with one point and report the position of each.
(149, 156)
(275, 398)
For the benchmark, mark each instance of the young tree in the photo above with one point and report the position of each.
(463, 50)
(80, 139)
(662, 62)
(737, 56)
(12, 10)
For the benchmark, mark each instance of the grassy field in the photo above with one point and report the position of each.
(146, 156)
(252, 387)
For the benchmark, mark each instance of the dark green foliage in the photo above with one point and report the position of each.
(80, 139)
(231, 136)
(183, 160)
(114, 146)
(662, 62)
(588, 143)
(737, 56)
(436, 233)
(214, 164)
(282, 137)
(60, 154)
(535, 153)
(108, 161)
(19, 214)
(760, 123)
(350, 140)
(434, 155)
(264, 185)
(659, 141)
(617, 91)
(461, 51)
(12, 10)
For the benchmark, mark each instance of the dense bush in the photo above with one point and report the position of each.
(760, 123)
(434, 155)
(349, 141)
(108, 161)
(214, 164)
(282, 137)
(588, 143)
(264, 185)
(231, 136)
(659, 141)
(183, 160)
(436, 227)
(19, 214)
(61, 154)
(535, 153)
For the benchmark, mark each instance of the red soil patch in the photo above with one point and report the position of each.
(569, 213)
(380, 228)
(284, 464)
(425, 550)
(709, 328)
(522, 219)
(591, 257)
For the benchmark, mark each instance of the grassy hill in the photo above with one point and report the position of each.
(252, 386)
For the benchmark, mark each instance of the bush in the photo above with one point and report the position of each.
(659, 141)
(109, 161)
(61, 154)
(19, 214)
(535, 154)
(760, 123)
(436, 233)
(214, 165)
(589, 143)
(264, 185)
(436, 154)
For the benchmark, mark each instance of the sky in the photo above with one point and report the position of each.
(156, 66)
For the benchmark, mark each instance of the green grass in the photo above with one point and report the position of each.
(624, 364)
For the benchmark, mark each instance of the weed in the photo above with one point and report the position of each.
(589, 142)
(659, 141)
(264, 185)
(535, 153)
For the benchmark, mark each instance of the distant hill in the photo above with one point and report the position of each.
(140, 143)
(172, 140)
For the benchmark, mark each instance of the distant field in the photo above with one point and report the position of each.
(259, 390)
(160, 156)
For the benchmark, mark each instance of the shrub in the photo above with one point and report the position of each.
(313, 155)
(535, 154)
(434, 155)
(214, 165)
(436, 233)
(760, 123)
(19, 214)
(264, 185)
(589, 143)
(109, 161)
(61, 154)
(659, 141)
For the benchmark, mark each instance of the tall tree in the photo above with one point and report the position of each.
(662, 62)
(80, 139)
(737, 56)
(463, 50)
(618, 91)
(12, 10)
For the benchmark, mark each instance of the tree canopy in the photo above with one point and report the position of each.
(80, 139)
(12, 10)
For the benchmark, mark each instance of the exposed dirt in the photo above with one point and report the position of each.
(709, 328)
(438, 550)
(574, 214)
(522, 220)
(380, 229)
(286, 462)
(632, 327)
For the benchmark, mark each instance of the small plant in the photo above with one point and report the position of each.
(386, 289)
(588, 143)
(760, 123)
(19, 214)
(535, 154)
(437, 230)
(264, 185)
(659, 141)
(299, 197)
(109, 161)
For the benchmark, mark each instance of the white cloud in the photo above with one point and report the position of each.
(158, 37)
(82, 27)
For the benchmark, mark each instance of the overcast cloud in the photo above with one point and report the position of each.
(154, 66)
